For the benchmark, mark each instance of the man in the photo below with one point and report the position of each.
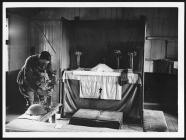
(36, 78)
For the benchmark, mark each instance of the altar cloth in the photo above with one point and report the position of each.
(78, 74)
(100, 85)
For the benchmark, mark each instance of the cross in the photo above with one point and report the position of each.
(100, 89)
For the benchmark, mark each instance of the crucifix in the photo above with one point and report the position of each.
(131, 55)
(100, 89)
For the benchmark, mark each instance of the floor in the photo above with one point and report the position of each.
(10, 117)
(172, 121)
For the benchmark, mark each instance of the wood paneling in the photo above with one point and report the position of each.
(19, 41)
(160, 22)
(48, 35)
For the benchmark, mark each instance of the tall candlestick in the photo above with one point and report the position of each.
(131, 55)
(118, 54)
(78, 54)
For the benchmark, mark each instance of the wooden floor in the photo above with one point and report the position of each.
(171, 120)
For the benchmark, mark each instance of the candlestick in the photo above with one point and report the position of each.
(78, 54)
(118, 54)
(131, 55)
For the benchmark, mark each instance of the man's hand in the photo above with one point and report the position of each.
(50, 92)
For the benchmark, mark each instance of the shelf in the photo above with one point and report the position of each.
(169, 38)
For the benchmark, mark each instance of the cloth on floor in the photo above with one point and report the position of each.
(154, 121)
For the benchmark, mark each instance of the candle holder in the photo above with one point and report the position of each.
(78, 55)
(118, 55)
(131, 55)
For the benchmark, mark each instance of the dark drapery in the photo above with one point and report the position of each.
(97, 40)
(130, 104)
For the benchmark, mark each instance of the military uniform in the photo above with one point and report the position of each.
(35, 80)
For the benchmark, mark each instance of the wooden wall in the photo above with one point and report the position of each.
(19, 45)
(47, 35)
(160, 22)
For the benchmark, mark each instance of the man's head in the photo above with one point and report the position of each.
(44, 59)
(45, 55)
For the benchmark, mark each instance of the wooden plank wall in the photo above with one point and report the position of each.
(47, 35)
(160, 22)
(19, 41)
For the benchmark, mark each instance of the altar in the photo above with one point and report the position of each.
(102, 90)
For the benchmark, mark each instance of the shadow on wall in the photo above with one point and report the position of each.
(163, 89)
(15, 102)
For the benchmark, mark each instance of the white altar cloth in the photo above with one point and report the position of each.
(99, 85)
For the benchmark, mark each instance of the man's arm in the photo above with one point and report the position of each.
(30, 72)
(52, 75)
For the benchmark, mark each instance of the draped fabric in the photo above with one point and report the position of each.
(102, 87)
(130, 103)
